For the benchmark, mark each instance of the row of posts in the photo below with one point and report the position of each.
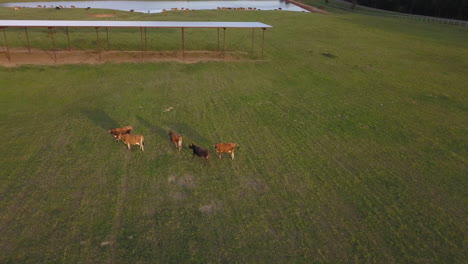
(143, 39)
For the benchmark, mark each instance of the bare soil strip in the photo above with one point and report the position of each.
(102, 15)
(21, 56)
(307, 7)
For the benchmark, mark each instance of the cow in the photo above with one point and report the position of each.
(200, 152)
(129, 139)
(225, 148)
(176, 139)
(121, 130)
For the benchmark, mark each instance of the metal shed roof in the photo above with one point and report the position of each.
(132, 24)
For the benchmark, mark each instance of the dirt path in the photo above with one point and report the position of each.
(307, 7)
(21, 56)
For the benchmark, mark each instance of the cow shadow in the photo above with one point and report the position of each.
(181, 128)
(188, 132)
(100, 118)
(153, 128)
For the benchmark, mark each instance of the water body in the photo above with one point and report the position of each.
(158, 6)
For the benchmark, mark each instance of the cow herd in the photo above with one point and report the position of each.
(124, 134)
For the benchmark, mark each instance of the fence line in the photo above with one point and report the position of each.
(385, 13)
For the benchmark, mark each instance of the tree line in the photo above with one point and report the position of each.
(455, 9)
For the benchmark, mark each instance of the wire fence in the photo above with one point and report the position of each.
(385, 13)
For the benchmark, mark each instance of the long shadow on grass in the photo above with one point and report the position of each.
(153, 128)
(100, 118)
(181, 128)
(188, 132)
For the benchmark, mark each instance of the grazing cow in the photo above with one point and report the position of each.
(121, 130)
(226, 148)
(129, 139)
(200, 152)
(176, 139)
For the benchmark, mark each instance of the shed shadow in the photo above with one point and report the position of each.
(100, 118)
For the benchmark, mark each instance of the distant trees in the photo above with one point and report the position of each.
(457, 9)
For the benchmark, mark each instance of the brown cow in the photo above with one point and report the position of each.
(225, 148)
(176, 139)
(129, 139)
(121, 130)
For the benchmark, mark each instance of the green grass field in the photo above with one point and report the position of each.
(353, 137)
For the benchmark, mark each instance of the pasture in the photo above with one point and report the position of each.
(352, 133)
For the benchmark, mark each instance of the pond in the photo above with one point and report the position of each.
(159, 6)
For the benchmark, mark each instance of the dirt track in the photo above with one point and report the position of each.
(307, 7)
(21, 56)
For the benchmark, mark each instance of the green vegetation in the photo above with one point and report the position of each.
(352, 133)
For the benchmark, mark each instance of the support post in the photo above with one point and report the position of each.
(107, 39)
(97, 42)
(141, 41)
(218, 39)
(183, 44)
(224, 39)
(263, 40)
(68, 39)
(27, 39)
(6, 44)
(253, 32)
(51, 31)
(146, 42)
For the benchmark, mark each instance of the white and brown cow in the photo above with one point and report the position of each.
(120, 131)
(226, 148)
(176, 139)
